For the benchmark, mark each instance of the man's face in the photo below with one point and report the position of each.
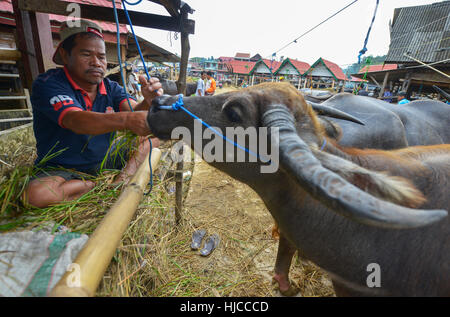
(87, 61)
(203, 76)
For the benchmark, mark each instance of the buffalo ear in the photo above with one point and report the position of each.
(237, 109)
(395, 189)
(332, 130)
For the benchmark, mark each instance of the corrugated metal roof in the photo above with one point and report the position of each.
(378, 68)
(240, 67)
(6, 6)
(422, 32)
(242, 55)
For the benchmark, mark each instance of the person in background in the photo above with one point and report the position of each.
(210, 85)
(200, 90)
(402, 98)
(133, 88)
(387, 93)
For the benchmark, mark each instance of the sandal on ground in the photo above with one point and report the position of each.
(211, 243)
(197, 238)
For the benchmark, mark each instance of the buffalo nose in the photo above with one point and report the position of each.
(160, 101)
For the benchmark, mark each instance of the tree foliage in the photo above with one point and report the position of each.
(374, 60)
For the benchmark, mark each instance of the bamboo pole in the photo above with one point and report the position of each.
(10, 55)
(427, 65)
(96, 255)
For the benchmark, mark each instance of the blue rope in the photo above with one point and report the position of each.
(364, 49)
(323, 144)
(119, 58)
(134, 35)
(121, 72)
(131, 3)
(179, 105)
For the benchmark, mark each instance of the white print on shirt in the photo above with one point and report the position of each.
(60, 100)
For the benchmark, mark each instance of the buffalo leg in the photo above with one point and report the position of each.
(284, 258)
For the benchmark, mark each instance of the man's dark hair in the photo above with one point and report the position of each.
(203, 72)
(70, 42)
(209, 73)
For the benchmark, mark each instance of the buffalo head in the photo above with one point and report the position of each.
(281, 109)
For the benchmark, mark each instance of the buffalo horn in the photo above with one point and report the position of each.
(334, 113)
(332, 190)
(442, 92)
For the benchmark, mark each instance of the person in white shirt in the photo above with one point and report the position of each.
(200, 91)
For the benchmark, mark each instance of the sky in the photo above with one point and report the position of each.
(223, 28)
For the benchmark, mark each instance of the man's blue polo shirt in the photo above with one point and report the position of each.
(54, 95)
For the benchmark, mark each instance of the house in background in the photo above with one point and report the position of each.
(324, 74)
(292, 70)
(418, 34)
(242, 57)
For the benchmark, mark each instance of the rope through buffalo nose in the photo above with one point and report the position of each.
(179, 105)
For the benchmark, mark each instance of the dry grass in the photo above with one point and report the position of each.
(155, 258)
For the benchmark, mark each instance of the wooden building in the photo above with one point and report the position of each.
(419, 35)
(292, 70)
(324, 74)
(29, 34)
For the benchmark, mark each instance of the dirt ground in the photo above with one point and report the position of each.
(222, 205)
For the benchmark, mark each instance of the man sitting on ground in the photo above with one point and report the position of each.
(76, 112)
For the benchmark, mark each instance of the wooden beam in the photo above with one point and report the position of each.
(106, 14)
(43, 40)
(374, 80)
(28, 65)
(2, 98)
(171, 7)
(427, 65)
(181, 85)
(10, 55)
(386, 76)
(9, 131)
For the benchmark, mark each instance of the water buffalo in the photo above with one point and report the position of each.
(391, 126)
(348, 210)
(170, 87)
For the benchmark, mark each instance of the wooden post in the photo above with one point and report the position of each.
(35, 43)
(29, 66)
(405, 82)
(181, 85)
(385, 80)
(96, 255)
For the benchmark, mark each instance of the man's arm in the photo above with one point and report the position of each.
(94, 123)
